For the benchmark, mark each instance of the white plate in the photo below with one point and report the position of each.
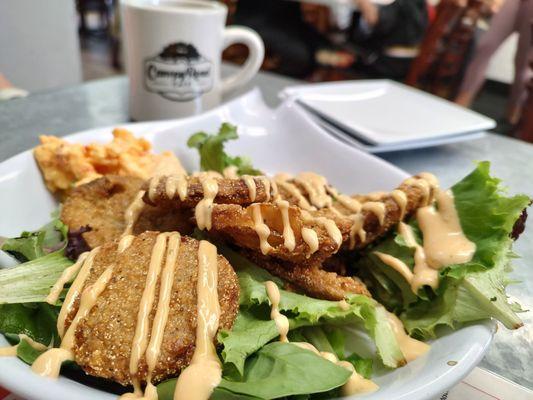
(383, 112)
(277, 140)
(386, 148)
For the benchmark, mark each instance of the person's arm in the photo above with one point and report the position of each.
(495, 5)
(369, 11)
(378, 20)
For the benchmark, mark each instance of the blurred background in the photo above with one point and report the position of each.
(474, 52)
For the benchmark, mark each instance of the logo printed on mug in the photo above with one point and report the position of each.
(179, 72)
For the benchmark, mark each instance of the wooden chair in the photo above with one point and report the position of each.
(443, 52)
(525, 126)
(446, 15)
(525, 129)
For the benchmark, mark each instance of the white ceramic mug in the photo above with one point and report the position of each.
(173, 52)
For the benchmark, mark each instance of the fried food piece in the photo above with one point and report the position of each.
(312, 280)
(360, 230)
(101, 205)
(66, 164)
(230, 191)
(379, 211)
(235, 224)
(103, 340)
(415, 196)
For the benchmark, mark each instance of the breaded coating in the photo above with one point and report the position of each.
(416, 198)
(312, 280)
(101, 205)
(103, 340)
(230, 191)
(232, 216)
(235, 224)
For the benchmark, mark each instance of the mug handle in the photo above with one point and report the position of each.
(250, 38)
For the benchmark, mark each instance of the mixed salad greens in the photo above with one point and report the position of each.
(255, 365)
(467, 292)
(23, 288)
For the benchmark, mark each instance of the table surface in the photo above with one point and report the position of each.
(104, 102)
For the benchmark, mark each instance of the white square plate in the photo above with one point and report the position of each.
(386, 148)
(276, 140)
(384, 112)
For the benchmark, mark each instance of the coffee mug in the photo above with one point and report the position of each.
(173, 51)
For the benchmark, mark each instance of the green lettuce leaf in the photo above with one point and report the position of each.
(27, 353)
(331, 339)
(467, 292)
(43, 256)
(277, 370)
(212, 154)
(363, 366)
(32, 245)
(337, 340)
(253, 327)
(476, 296)
(31, 281)
(23, 288)
(37, 320)
(388, 285)
(284, 369)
